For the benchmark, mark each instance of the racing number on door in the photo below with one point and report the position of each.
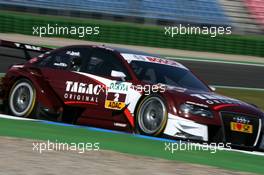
(115, 101)
(116, 97)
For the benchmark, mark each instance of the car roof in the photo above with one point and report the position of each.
(118, 49)
(130, 54)
(130, 51)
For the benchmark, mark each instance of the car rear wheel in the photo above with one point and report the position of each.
(22, 98)
(152, 115)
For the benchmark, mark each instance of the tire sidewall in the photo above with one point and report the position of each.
(164, 123)
(28, 111)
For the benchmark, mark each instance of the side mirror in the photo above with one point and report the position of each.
(212, 88)
(118, 74)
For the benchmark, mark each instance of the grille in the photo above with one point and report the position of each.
(240, 138)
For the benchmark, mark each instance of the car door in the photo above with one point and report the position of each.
(112, 96)
(59, 70)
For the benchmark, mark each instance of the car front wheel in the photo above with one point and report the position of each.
(152, 115)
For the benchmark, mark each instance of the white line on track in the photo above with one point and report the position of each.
(239, 88)
(15, 118)
(216, 61)
(246, 152)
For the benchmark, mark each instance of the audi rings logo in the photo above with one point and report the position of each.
(241, 120)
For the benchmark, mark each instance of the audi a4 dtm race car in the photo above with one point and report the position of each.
(126, 90)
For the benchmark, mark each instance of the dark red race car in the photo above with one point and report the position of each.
(126, 90)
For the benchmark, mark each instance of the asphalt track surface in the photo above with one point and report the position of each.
(221, 74)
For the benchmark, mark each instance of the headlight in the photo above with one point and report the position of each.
(195, 110)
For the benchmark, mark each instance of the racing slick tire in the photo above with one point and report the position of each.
(151, 115)
(22, 99)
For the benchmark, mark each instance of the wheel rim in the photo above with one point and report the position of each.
(152, 115)
(21, 99)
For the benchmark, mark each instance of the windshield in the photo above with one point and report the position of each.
(170, 75)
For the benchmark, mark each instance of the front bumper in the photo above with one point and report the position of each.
(179, 127)
(241, 139)
(186, 129)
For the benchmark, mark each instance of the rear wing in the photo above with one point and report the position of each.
(25, 47)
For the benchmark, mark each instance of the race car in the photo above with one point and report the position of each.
(126, 90)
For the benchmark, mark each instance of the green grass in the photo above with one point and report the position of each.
(130, 144)
(250, 96)
(133, 34)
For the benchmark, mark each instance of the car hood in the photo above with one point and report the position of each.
(214, 101)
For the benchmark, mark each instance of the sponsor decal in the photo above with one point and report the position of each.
(72, 53)
(241, 124)
(60, 64)
(161, 61)
(84, 92)
(115, 101)
(131, 57)
(240, 127)
(123, 125)
(118, 86)
(157, 60)
(27, 46)
(216, 99)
